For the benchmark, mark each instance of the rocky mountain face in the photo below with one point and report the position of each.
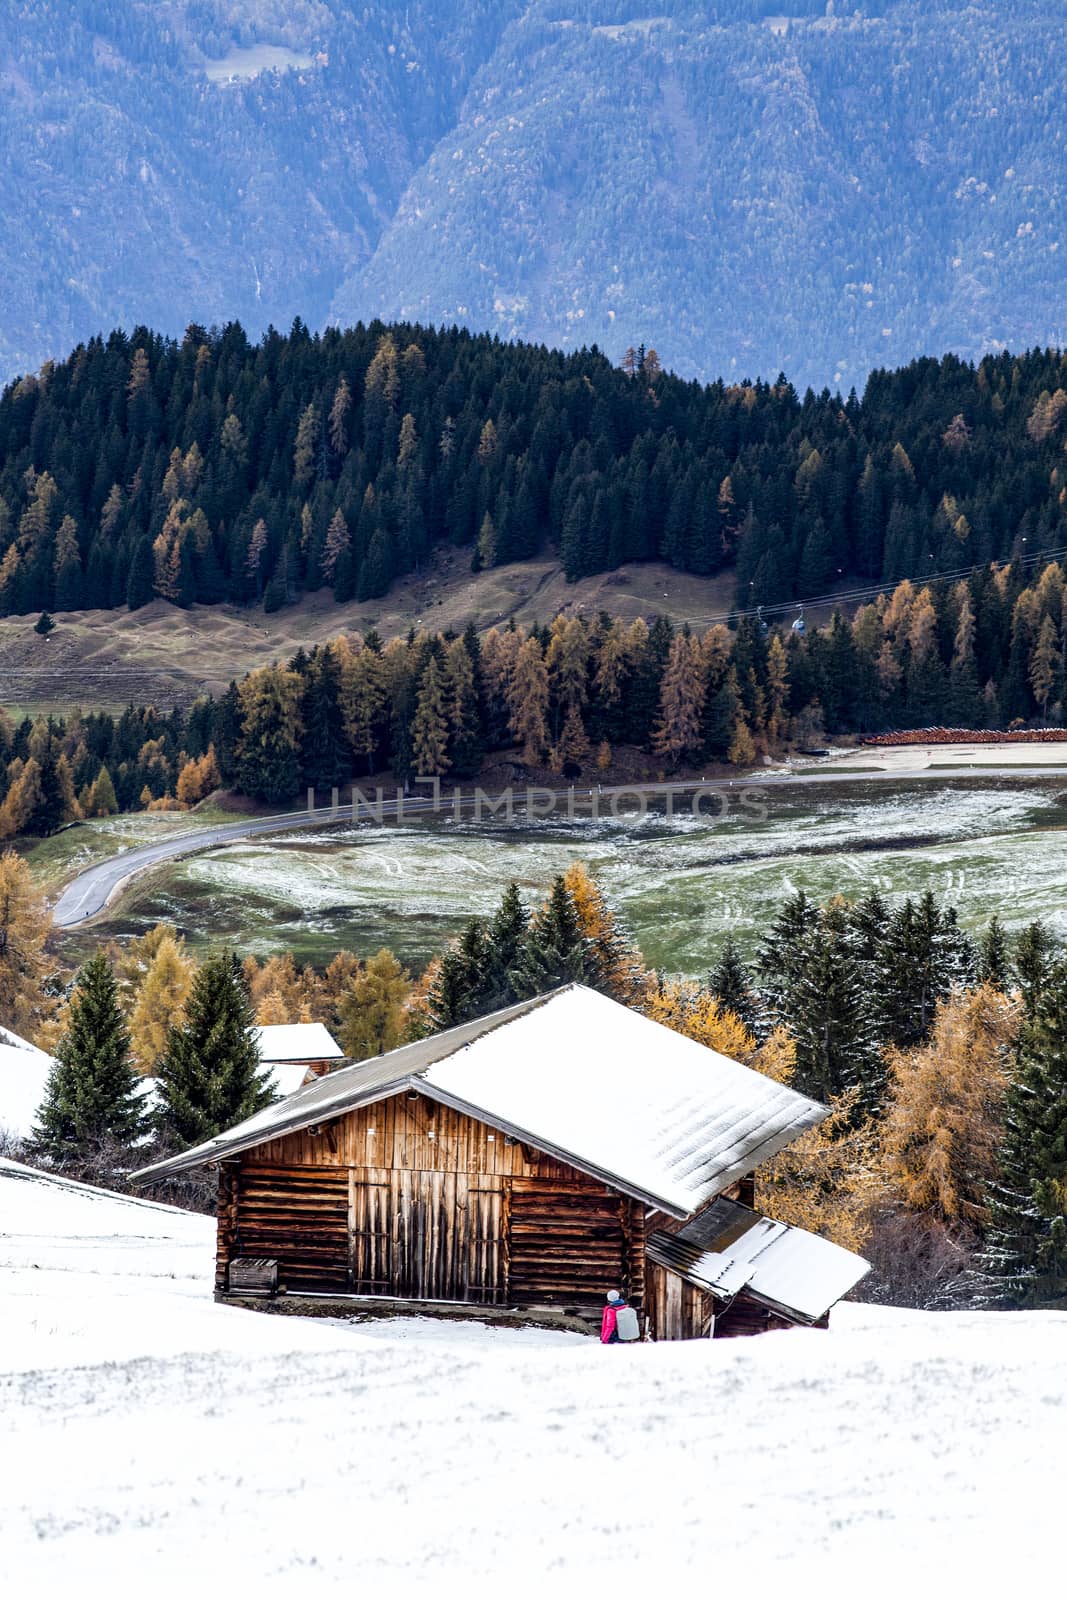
(746, 185)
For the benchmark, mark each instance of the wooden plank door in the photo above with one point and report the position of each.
(486, 1241)
(427, 1235)
(370, 1224)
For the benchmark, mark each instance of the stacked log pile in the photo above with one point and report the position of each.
(934, 736)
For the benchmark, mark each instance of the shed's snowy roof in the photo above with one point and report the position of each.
(286, 1077)
(580, 1077)
(297, 1041)
(729, 1248)
(23, 1077)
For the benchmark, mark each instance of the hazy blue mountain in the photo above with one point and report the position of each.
(148, 176)
(746, 191)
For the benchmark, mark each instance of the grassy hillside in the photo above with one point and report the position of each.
(164, 656)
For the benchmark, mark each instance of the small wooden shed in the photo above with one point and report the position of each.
(730, 1271)
(523, 1161)
(290, 1053)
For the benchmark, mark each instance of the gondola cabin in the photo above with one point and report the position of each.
(530, 1160)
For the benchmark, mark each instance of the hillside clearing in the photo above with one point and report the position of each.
(163, 656)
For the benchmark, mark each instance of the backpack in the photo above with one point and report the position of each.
(626, 1324)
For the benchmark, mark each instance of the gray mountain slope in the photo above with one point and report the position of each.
(744, 191)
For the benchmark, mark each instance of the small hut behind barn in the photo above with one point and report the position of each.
(292, 1053)
(530, 1161)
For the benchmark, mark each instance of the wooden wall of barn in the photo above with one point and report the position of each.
(676, 1309)
(408, 1198)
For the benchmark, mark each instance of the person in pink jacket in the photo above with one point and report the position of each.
(611, 1332)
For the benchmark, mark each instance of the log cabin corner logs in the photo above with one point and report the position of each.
(412, 1200)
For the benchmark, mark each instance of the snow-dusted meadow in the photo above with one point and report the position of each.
(679, 884)
(153, 1440)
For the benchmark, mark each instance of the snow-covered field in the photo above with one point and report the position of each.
(157, 1442)
(911, 757)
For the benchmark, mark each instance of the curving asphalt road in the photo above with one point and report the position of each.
(93, 890)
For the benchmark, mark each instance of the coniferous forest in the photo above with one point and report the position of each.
(212, 469)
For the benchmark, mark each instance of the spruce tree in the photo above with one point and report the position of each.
(826, 1008)
(1033, 963)
(1025, 1261)
(91, 1101)
(49, 812)
(782, 948)
(326, 759)
(994, 962)
(506, 936)
(465, 697)
(209, 1075)
(869, 919)
(926, 955)
(460, 989)
(554, 951)
(729, 981)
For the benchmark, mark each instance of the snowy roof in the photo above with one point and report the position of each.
(729, 1248)
(297, 1041)
(581, 1078)
(286, 1077)
(23, 1076)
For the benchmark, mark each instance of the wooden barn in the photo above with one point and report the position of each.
(529, 1161)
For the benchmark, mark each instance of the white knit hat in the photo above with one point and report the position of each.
(613, 1295)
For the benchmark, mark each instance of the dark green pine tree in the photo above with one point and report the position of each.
(460, 989)
(1033, 963)
(869, 921)
(91, 1103)
(467, 745)
(959, 955)
(826, 1008)
(326, 759)
(226, 732)
(506, 937)
(994, 960)
(731, 983)
(47, 815)
(927, 953)
(555, 950)
(782, 950)
(1025, 1259)
(209, 1074)
(719, 719)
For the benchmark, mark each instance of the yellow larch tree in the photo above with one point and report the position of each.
(373, 1014)
(25, 923)
(620, 965)
(272, 1010)
(160, 1001)
(945, 1116)
(528, 700)
(828, 1180)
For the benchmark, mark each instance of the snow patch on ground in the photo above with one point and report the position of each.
(157, 1442)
